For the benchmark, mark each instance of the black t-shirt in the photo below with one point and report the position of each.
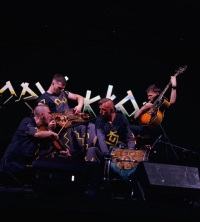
(57, 104)
(76, 137)
(23, 148)
(111, 135)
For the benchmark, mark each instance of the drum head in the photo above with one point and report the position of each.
(127, 158)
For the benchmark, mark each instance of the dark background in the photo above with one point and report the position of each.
(127, 44)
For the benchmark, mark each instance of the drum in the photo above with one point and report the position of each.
(122, 163)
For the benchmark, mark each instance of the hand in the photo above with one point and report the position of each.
(52, 124)
(61, 152)
(173, 81)
(147, 106)
(54, 136)
(65, 152)
(77, 109)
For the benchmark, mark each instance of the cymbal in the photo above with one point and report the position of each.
(139, 138)
(142, 137)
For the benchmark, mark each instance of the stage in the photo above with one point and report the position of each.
(54, 195)
(20, 201)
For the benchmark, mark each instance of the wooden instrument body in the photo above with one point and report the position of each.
(154, 116)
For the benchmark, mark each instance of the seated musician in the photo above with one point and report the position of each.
(78, 137)
(112, 129)
(28, 144)
(149, 124)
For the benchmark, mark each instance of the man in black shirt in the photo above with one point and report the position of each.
(77, 137)
(112, 129)
(25, 147)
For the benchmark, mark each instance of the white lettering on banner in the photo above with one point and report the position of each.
(120, 106)
(27, 89)
(87, 100)
(40, 87)
(12, 91)
(109, 92)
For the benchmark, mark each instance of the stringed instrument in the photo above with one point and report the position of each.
(57, 143)
(69, 118)
(154, 116)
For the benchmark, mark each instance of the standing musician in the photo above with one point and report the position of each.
(150, 114)
(76, 137)
(27, 144)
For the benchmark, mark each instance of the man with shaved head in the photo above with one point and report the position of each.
(25, 147)
(112, 130)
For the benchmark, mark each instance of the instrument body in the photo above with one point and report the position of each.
(68, 118)
(154, 116)
(127, 158)
(57, 143)
(123, 162)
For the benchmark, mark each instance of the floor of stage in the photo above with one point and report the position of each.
(58, 200)
(18, 201)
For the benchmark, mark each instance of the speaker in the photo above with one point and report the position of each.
(155, 181)
(65, 175)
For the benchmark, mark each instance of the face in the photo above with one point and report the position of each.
(105, 109)
(47, 117)
(57, 87)
(151, 95)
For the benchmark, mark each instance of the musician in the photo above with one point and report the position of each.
(153, 92)
(112, 129)
(27, 144)
(78, 137)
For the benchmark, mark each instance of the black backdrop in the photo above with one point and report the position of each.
(95, 73)
(129, 46)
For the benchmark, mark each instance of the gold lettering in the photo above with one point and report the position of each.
(82, 139)
(67, 141)
(113, 138)
(58, 102)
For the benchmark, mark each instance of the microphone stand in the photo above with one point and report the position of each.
(169, 143)
(166, 137)
(181, 148)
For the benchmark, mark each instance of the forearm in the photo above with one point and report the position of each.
(173, 90)
(139, 113)
(173, 96)
(43, 134)
(80, 100)
(102, 141)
